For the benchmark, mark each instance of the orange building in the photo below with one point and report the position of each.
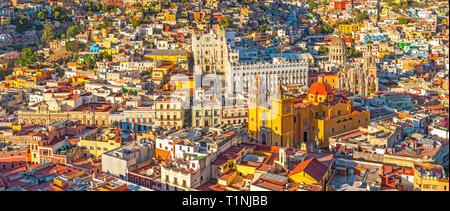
(330, 78)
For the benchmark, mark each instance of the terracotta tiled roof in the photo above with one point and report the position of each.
(312, 167)
(319, 88)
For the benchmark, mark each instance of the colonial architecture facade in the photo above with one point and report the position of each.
(305, 121)
(217, 53)
(212, 51)
(91, 115)
(338, 51)
(240, 75)
(357, 79)
(170, 112)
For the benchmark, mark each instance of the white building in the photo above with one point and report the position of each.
(288, 71)
(119, 161)
(212, 51)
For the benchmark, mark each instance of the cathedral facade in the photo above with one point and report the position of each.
(359, 79)
(306, 121)
(212, 51)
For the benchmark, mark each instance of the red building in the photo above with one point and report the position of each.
(341, 4)
(145, 176)
(180, 37)
(115, 3)
(11, 160)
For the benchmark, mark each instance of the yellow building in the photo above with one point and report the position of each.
(271, 122)
(109, 51)
(184, 84)
(183, 81)
(173, 56)
(429, 177)
(310, 171)
(170, 17)
(252, 168)
(97, 147)
(34, 153)
(382, 54)
(104, 32)
(158, 75)
(28, 78)
(410, 64)
(245, 11)
(303, 121)
(349, 28)
(5, 21)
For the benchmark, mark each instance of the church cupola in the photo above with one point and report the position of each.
(320, 92)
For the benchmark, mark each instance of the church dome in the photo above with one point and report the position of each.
(320, 88)
(338, 51)
(338, 42)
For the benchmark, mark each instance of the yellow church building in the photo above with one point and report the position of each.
(303, 121)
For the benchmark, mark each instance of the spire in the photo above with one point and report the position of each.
(280, 88)
(338, 33)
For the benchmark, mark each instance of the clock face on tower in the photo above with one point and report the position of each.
(288, 109)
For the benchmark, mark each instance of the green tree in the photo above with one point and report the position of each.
(402, 20)
(48, 34)
(89, 62)
(59, 13)
(28, 57)
(356, 12)
(75, 46)
(350, 51)
(326, 29)
(106, 23)
(22, 24)
(42, 15)
(75, 57)
(312, 5)
(360, 17)
(74, 31)
(226, 22)
(106, 56)
(395, 8)
(323, 50)
(135, 22)
(60, 71)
